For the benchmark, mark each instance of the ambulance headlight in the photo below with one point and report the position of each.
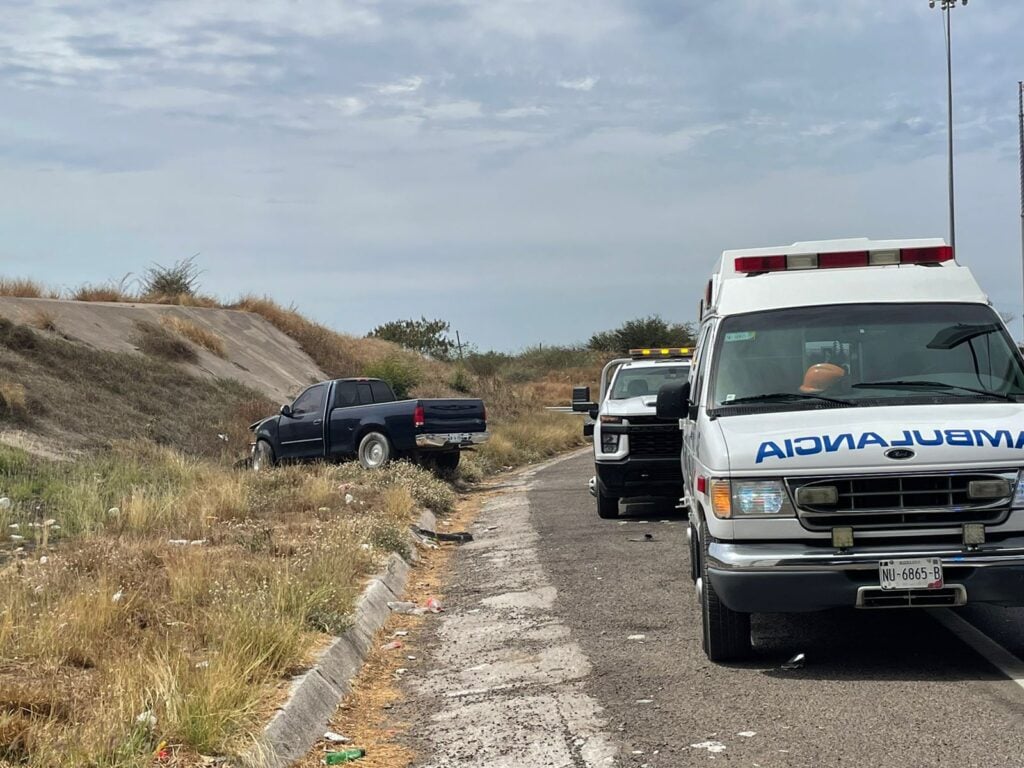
(1018, 492)
(759, 498)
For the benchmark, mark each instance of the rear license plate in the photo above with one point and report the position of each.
(911, 573)
(459, 439)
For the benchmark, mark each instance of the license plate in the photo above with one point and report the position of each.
(911, 573)
(459, 439)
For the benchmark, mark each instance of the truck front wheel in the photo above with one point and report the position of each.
(726, 632)
(374, 450)
(262, 456)
(607, 506)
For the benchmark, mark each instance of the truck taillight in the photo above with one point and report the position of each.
(935, 254)
(418, 419)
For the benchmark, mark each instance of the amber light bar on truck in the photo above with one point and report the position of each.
(796, 261)
(640, 354)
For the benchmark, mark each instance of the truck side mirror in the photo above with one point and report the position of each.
(286, 410)
(581, 402)
(673, 401)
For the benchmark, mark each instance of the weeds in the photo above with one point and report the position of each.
(44, 321)
(197, 334)
(112, 291)
(158, 341)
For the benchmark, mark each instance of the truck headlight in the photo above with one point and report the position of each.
(609, 443)
(749, 498)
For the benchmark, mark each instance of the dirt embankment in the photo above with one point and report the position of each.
(255, 353)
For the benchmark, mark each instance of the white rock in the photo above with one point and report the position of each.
(747, 734)
(16, 537)
(636, 637)
(711, 746)
(117, 596)
(178, 542)
(113, 511)
(5, 503)
(146, 718)
(349, 498)
(44, 560)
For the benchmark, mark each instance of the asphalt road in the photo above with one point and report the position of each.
(534, 665)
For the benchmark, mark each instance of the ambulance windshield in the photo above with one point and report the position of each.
(863, 354)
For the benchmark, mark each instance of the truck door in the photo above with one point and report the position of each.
(302, 433)
(344, 419)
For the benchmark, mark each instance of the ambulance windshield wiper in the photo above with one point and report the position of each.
(933, 385)
(783, 397)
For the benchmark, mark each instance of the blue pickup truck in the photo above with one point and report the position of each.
(361, 418)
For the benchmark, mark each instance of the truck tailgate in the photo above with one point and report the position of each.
(461, 415)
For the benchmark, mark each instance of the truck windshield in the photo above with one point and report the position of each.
(863, 354)
(641, 382)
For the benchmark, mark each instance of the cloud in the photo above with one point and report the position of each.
(349, 106)
(453, 110)
(582, 84)
(405, 85)
(516, 113)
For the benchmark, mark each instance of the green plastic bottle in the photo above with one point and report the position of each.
(346, 755)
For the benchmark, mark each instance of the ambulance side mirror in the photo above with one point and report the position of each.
(673, 401)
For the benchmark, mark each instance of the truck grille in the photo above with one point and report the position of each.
(902, 501)
(651, 436)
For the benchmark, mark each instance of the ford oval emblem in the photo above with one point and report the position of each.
(899, 454)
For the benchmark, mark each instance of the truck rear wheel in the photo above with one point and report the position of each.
(607, 506)
(262, 456)
(726, 632)
(375, 450)
(447, 462)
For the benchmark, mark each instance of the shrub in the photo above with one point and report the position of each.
(179, 279)
(401, 374)
(461, 381)
(195, 333)
(650, 331)
(424, 336)
(157, 341)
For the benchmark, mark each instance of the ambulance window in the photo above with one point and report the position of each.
(697, 380)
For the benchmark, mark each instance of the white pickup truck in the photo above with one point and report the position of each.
(853, 435)
(636, 454)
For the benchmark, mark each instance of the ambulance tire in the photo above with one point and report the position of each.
(726, 632)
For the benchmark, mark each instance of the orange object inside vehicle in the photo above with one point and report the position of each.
(821, 376)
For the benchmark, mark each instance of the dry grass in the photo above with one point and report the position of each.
(197, 334)
(335, 353)
(158, 341)
(107, 292)
(13, 400)
(23, 288)
(122, 620)
(44, 321)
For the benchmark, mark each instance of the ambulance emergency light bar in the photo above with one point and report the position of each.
(639, 354)
(892, 256)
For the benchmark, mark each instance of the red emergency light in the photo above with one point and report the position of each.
(933, 254)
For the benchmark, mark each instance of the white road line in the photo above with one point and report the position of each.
(988, 648)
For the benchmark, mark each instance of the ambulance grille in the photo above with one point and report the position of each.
(902, 501)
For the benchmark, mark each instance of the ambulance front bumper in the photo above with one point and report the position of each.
(790, 577)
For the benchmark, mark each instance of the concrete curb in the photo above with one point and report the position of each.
(315, 695)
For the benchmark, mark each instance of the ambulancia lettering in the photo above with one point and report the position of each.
(810, 445)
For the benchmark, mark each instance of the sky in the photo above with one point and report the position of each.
(531, 171)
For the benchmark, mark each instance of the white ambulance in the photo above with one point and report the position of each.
(853, 435)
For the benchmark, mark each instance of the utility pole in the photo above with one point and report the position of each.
(946, 6)
(1020, 115)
